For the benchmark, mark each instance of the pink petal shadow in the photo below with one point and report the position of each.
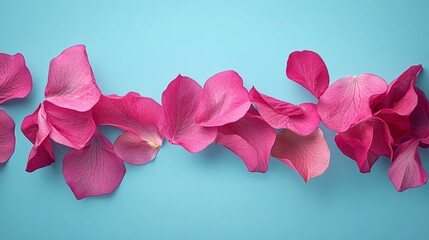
(15, 78)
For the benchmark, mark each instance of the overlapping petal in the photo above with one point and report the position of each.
(308, 155)
(7, 136)
(302, 119)
(224, 100)
(71, 83)
(180, 102)
(419, 119)
(346, 101)
(93, 170)
(15, 78)
(250, 138)
(308, 69)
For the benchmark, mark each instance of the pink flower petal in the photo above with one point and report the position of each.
(224, 100)
(308, 155)
(7, 136)
(407, 170)
(308, 69)
(71, 83)
(250, 138)
(399, 126)
(419, 119)
(69, 127)
(302, 119)
(15, 78)
(179, 102)
(365, 141)
(346, 101)
(93, 170)
(134, 150)
(41, 155)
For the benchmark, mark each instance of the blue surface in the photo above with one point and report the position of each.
(142, 46)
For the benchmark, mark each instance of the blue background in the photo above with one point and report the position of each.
(141, 46)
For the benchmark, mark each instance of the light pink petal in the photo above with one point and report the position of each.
(69, 127)
(250, 138)
(15, 78)
(308, 69)
(346, 101)
(407, 170)
(133, 113)
(400, 97)
(419, 118)
(93, 170)
(7, 136)
(71, 83)
(308, 155)
(302, 119)
(134, 150)
(179, 102)
(365, 141)
(224, 100)
(41, 155)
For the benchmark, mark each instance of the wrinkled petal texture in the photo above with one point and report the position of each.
(365, 142)
(7, 136)
(71, 83)
(15, 78)
(346, 101)
(250, 138)
(93, 170)
(406, 170)
(302, 119)
(180, 102)
(224, 100)
(140, 117)
(308, 155)
(308, 69)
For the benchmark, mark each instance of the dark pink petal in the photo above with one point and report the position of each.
(7, 136)
(308, 155)
(302, 119)
(365, 141)
(400, 97)
(93, 170)
(15, 78)
(399, 126)
(140, 117)
(224, 100)
(407, 170)
(30, 125)
(69, 127)
(308, 69)
(41, 155)
(179, 102)
(419, 119)
(71, 83)
(250, 138)
(346, 101)
(135, 150)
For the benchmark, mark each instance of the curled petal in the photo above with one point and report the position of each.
(7, 136)
(71, 83)
(302, 119)
(15, 78)
(134, 150)
(41, 155)
(93, 170)
(250, 138)
(308, 155)
(179, 102)
(407, 170)
(419, 119)
(308, 69)
(399, 125)
(346, 101)
(224, 100)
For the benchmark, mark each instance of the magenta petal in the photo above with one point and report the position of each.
(179, 102)
(302, 119)
(71, 83)
(419, 118)
(93, 170)
(308, 155)
(69, 127)
(399, 126)
(407, 170)
(134, 150)
(41, 155)
(7, 136)
(15, 78)
(250, 138)
(308, 69)
(224, 100)
(346, 101)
